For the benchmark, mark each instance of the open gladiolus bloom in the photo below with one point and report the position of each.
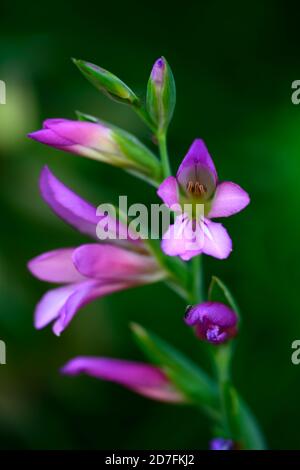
(196, 186)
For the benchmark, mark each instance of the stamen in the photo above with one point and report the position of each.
(213, 332)
(190, 187)
(200, 188)
(196, 188)
(215, 335)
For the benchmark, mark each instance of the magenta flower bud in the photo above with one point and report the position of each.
(144, 379)
(101, 142)
(214, 322)
(221, 444)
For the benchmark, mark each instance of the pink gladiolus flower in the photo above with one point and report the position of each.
(196, 184)
(141, 378)
(89, 271)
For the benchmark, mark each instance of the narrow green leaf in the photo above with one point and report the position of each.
(186, 376)
(219, 292)
(199, 389)
(238, 422)
(252, 436)
(86, 117)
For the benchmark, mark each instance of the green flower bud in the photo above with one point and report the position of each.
(161, 94)
(108, 83)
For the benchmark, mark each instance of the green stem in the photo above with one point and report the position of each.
(197, 295)
(237, 421)
(222, 358)
(162, 144)
(161, 138)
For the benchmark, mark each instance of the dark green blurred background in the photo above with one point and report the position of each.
(233, 66)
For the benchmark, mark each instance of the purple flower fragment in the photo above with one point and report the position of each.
(221, 444)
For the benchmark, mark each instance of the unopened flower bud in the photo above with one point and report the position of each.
(107, 82)
(100, 142)
(214, 322)
(144, 379)
(161, 94)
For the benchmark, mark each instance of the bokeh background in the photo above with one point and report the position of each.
(234, 65)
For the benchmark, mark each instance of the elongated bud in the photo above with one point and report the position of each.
(141, 378)
(107, 82)
(161, 94)
(102, 142)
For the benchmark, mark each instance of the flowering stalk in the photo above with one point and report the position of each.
(221, 359)
(94, 270)
(197, 294)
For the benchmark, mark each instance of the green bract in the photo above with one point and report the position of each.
(135, 156)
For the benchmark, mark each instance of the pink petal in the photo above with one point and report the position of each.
(168, 191)
(189, 254)
(50, 305)
(173, 242)
(111, 263)
(81, 214)
(55, 266)
(217, 242)
(48, 137)
(62, 304)
(182, 240)
(84, 138)
(229, 199)
(142, 378)
(198, 155)
(68, 205)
